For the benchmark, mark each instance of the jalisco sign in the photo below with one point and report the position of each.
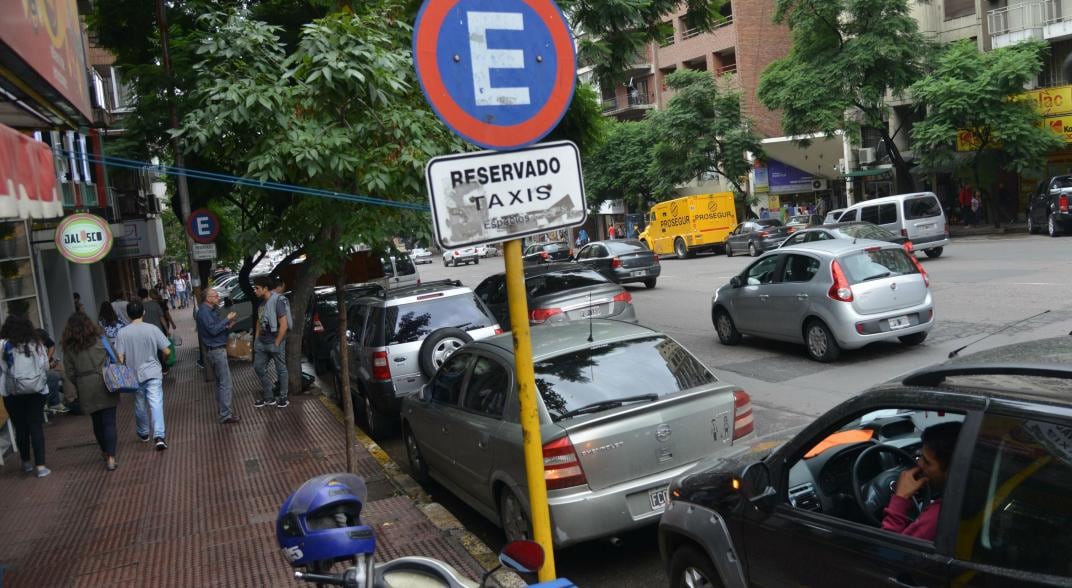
(84, 238)
(492, 196)
(28, 187)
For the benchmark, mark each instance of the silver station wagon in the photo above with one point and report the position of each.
(623, 410)
(830, 295)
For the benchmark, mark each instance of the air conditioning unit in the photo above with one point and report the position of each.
(818, 184)
(866, 155)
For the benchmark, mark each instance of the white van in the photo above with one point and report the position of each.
(918, 216)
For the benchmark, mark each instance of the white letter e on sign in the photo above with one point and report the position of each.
(484, 59)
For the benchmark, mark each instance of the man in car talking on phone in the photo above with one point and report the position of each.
(932, 470)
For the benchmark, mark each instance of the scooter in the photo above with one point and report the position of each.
(320, 525)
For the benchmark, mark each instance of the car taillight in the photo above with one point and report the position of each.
(561, 468)
(743, 423)
(545, 255)
(615, 263)
(840, 290)
(908, 246)
(318, 327)
(380, 369)
(624, 296)
(764, 234)
(656, 256)
(498, 331)
(1062, 203)
(792, 230)
(922, 272)
(540, 315)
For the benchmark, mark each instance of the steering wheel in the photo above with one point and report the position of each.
(873, 495)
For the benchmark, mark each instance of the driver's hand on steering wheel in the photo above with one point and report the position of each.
(908, 483)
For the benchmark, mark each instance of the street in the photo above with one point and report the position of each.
(979, 285)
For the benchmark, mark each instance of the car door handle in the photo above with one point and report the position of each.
(802, 296)
(897, 582)
(764, 296)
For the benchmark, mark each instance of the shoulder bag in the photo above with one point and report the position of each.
(118, 377)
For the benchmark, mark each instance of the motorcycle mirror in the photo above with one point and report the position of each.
(522, 556)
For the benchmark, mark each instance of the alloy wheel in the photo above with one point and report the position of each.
(817, 341)
(444, 349)
(695, 578)
(1051, 226)
(370, 417)
(752, 250)
(515, 525)
(724, 327)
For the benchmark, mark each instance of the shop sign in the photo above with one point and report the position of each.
(28, 187)
(786, 179)
(760, 179)
(1050, 101)
(84, 238)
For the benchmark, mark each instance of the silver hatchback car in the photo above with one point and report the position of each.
(830, 295)
(623, 410)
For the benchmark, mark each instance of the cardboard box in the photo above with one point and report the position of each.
(240, 346)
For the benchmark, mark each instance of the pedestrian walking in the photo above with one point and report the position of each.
(180, 291)
(582, 237)
(269, 340)
(119, 305)
(166, 321)
(108, 321)
(976, 207)
(24, 386)
(153, 314)
(611, 231)
(213, 333)
(84, 356)
(137, 345)
(78, 307)
(172, 296)
(54, 379)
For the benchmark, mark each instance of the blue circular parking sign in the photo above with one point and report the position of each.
(203, 226)
(499, 73)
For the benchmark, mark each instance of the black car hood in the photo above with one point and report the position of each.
(710, 480)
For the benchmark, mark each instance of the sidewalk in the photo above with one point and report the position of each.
(201, 513)
(987, 229)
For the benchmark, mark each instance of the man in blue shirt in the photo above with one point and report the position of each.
(213, 332)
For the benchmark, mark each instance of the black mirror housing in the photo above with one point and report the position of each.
(735, 281)
(756, 486)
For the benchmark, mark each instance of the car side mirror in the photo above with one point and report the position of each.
(735, 282)
(425, 394)
(756, 486)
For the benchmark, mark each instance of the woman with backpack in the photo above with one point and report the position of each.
(24, 386)
(84, 357)
(109, 321)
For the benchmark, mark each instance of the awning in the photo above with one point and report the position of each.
(28, 187)
(866, 173)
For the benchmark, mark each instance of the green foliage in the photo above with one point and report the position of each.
(969, 90)
(583, 123)
(620, 167)
(701, 130)
(174, 238)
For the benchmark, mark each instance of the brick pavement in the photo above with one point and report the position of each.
(201, 513)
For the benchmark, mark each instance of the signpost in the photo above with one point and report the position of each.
(502, 78)
(202, 251)
(203, 226)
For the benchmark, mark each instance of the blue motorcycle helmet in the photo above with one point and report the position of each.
(320, 523)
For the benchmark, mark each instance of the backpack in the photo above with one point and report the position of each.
(23, 373)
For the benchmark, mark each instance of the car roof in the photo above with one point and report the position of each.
(555, 339)
(836, 247)
(556, 266)
(400, 294)
(891, 198)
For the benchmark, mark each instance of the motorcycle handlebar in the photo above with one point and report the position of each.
(333, 579)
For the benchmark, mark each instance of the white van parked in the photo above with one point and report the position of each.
(918, 216)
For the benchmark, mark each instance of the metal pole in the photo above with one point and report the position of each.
(530, 418)
(846, 147)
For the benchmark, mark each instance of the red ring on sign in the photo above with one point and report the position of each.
(190, 226)
(489, 135)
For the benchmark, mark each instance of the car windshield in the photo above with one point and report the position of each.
(562, 280)
(552, 247)
(867, 232)
(618, 247)
(875, 263)
(654, 365)
(1062, 182)
(413, 322)
(328, 302)
(403, 264)
(922, 207)
(768, 222)
(799, 220)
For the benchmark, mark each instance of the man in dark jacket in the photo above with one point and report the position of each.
(213, 333)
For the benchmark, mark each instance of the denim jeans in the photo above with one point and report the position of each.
(217, 358)
(149, 401)
(262, 354)
(55, 378)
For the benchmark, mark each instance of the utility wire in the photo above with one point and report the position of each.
(240, 181)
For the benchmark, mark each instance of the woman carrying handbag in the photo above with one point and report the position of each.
(84, 358)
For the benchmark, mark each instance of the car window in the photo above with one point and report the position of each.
(650, 365)
(921, 207)
(492, 290)
(869, 214)
(867, 232)
(562, 280)
(553, 247)
(355, 320)
(798, 238)
(585, 253)
(486, 392)
(403, 267)
(1017, 513)
(875, 263)
(414, 321)
(819, 236)
(766, 222)
(849, 215)
(761, 272)
(446, 386)
(1062, 182)
(620, 247)
(800, 268)
(887, 213)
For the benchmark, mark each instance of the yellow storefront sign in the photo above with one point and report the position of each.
(1055, 106)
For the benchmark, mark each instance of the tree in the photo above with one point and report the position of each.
(968, 93)
(701, 131)
(846, 55)
(619, 168)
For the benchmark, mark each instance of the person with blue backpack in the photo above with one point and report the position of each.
(84, 356)
(24, 386)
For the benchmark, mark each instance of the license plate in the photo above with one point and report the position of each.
(637, 273)
(658, 498)
(899, 322)
(926, 226)
(589, 312)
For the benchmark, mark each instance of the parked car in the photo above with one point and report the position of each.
(242, 306)
(547, 252)
(464, 255)
(398, 269)
(848, 230)
(802, 221)
(623, 410)
(810, 511)
(829, 295)
(756, 236)
(1048, 207)
(420, 255)
(320, 337)
(917, 216)
(559, 292)
(397, 338)
(621, 260)
(833, 216)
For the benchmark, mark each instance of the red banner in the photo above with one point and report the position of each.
(28, 187)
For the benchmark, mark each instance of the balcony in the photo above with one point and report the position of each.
(632, 107)
(1011, 24)
(1057, 19)
(730, 68)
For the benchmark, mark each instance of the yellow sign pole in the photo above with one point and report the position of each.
(530, 416)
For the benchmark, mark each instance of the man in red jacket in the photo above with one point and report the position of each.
(932, 469)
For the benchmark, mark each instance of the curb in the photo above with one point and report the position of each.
(439, 517)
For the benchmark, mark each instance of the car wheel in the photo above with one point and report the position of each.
(444, 263)
(820, 342)
(438, 346)
(375, 424)
(418, 469)
(934, 252)
(725, 327)
(689, 568)
(476, 261)
(680, 249)
(729, 250)
(515, 523)
(1053, 228)
(1031, 228)
(913, 339)
(753, 250)
(649, 284)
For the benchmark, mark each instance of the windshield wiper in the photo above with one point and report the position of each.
(876, 276)
(605, 404)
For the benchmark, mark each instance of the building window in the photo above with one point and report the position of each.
(959, 8)
(669, 39)
(688, 32)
